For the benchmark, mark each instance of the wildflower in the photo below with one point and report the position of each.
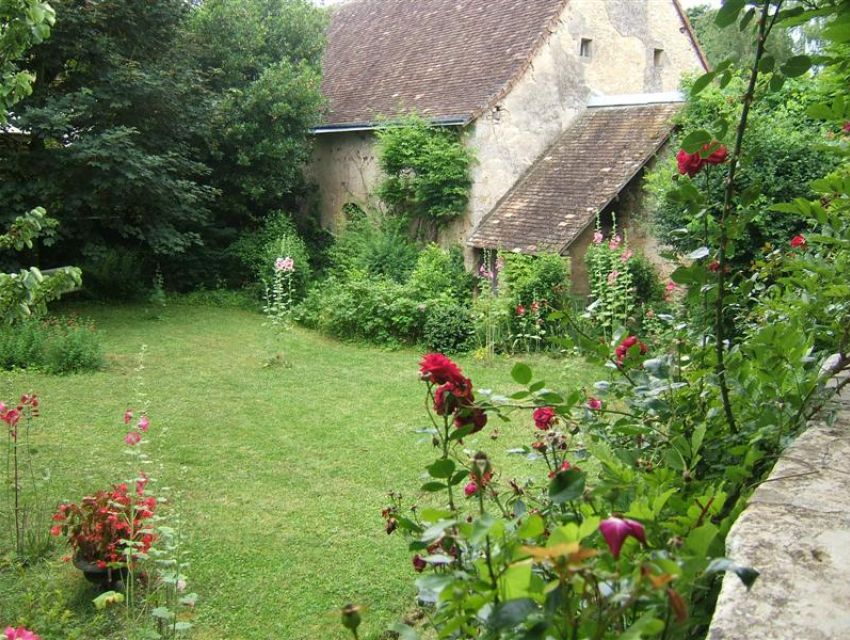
(798, 242)
(470, 489)
(598, 237)
(438, 369)
(133, 438)
(627, 343)
(594, 404)
(144, 423)
(544, 417)
(616, 530)
(615, 242)
(419, 563)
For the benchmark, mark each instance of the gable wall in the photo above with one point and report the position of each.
(558, 83)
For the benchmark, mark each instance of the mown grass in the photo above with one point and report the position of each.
(279, 474)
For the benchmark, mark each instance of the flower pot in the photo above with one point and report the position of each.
(108, 579)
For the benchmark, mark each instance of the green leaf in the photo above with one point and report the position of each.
(458, 477)
(109, 598)
(161, 613)
(646, 625)
(182, 626)
(537, 386)
(728, 13)
(700, 539)
(429, 514)
(697, 437)
(566, 486)
(776, 82)
(441, 469)
(516, 579)
(696, 140)
(404, 632)
(767, 64)
(511, 613)
(521, 373)
(796, 66)
(432, 487)
(702, 82)
(748, 17)
(532, 527)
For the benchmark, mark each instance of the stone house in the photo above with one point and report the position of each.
(563, 103)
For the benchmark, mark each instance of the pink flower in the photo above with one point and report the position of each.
(19, 634)
(616, 530)
(11, 417)
(284, 264)
(520, 310)
(846, 127)
(543, 418)
(144, 423)
(535, 307)
(133, 438)
(612, 277)
(485, 273)
(594, 404)
(598, 237)
(2, 408)
(614, 243)
(798, 242)
(128, 415)
(622, 349)
(627, 255)
(470, 489)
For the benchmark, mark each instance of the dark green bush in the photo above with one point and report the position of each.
(53, 345)
(647, 284)
(449, 328)
(375, 244)
(114, 274)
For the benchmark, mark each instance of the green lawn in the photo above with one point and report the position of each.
(280, 473)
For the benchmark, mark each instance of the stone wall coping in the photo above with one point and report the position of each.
(796, 532)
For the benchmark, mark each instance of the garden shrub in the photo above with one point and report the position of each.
(276, 238)
(449, 328)
(114, 274)
(54, 345)
(440, 273)
(376, 244)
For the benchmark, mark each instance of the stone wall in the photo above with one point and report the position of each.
(796, 533)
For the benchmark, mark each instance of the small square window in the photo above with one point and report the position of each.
(658, 57)
(584, 48)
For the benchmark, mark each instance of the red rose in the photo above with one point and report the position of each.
(419, 563)
(520, 310)
(543, 418)
(448, 397)
(473, 416)
(718, 156)
(798, 242)
(689, 163)
(622, 349)
(438, 369)
(470, 489)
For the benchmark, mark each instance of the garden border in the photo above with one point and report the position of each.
(796, 532)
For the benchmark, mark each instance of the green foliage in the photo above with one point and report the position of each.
(375, 244)
(544, 278)
(439, 273)
(426, 171)
(781, 158)
(276, 238)
(449, 328)
(23, 23)
(113, 274)
(53, 345)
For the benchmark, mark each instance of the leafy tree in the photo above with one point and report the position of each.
(720, 44)
(262, 62)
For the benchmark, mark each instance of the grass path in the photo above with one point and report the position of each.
(280, 473)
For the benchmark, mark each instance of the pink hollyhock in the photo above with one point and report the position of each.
(798, 242)
(438, 369)
(128, 415)
(612, 277)
(544, 417)
(622, 349)
(627, 255)
(614, 243)
(20, 634)
(616, 530)
(689, 163)
(520, 310)
(419, 563)
(594, 404)
(144, 423)
(470, 489)
(133, 438)
(598, 237)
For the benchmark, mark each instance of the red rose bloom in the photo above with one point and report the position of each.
(543, 418)
(419, 563)
(798, 242)
(467, 416)
(438, 369)
(718, 156)
(450, 396)
(622, 349)
(689, 163)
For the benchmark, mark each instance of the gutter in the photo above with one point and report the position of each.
(372, 126)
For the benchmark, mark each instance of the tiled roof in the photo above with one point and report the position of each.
(575, 179)
(444, 59)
